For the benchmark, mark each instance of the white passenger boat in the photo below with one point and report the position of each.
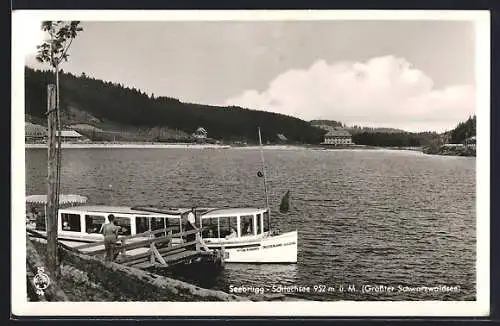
(244, 233)
(82, 224)
(246, 236)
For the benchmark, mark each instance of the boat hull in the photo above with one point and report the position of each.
(280, 248)
(271, 249)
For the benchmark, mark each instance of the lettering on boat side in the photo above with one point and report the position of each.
(247, 249)
(279, 245)
(273, 246)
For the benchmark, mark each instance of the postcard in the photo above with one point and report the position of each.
(250, 163)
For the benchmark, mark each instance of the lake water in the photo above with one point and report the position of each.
(365, 217)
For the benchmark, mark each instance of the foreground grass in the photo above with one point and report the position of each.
(77, 285)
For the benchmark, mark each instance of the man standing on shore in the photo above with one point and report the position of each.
(110, 232)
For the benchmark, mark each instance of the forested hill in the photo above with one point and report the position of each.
(329, 123)
(112, 102)
(464, 130)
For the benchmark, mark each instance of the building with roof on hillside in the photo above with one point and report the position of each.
(34, 133)
(70, 135)
(470, 142)
(281, 138)
(200, 134)
(338, 137)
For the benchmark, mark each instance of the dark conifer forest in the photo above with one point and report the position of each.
(107, 102)
(130, 111)
(464, 130)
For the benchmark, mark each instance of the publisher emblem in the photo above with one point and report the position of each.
(41, 281)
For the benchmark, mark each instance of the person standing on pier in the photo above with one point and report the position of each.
(110, 232)
(190, 225)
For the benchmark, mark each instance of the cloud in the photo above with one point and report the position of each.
(383, 91)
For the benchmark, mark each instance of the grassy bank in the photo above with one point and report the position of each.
(128, 145)
(451, 151)
(86, 278)
(76, 283)
(89, 279)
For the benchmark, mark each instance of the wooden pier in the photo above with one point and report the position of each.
(159, 249)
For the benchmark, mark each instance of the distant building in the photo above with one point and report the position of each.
(470, 142)
(39, 134)
(200, 134)
(281, 138)
(70, 135)
(34, 133)
(338, 137)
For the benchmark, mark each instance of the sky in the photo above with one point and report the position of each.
(413, 75)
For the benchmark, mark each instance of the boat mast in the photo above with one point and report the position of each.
(264, 174)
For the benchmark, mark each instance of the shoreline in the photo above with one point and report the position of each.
(142, 145)
(139, 145)
(132, 145)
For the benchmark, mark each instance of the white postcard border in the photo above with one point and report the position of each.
(480, 307)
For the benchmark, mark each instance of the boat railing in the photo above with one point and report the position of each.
(149, 238)
(147, 234)
(161, 250)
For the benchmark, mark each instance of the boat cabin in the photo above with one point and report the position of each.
(37, 208)
(229, 223)
(86, 221)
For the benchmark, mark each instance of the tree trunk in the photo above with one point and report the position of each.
(52, 183)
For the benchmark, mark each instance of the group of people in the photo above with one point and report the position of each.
(246, 229)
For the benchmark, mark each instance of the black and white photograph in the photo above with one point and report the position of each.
(303, 163)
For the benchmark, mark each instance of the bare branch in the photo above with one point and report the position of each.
(66, 50)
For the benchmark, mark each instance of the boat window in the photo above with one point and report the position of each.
(141, 224)
(266, 221)
(93, 223)
(227, 227)
(173, 223)
(259, 228)
(209, 228)
(158, 223)
(71, 222)
(246, 224)
(124, 224)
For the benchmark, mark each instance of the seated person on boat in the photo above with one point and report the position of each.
(233, 234)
